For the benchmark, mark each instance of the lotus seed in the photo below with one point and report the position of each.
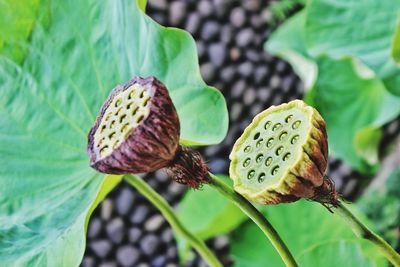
(268, 161)
(246, 162)
(279, 150)
(124, 127)
(251, 174)
(288, 118)
(270, 142)
(275, 170)
(283, 135)
(122, 118)
(247, 149)
(145, 101)
(134, 111)
(276, 127)
(256, 136)
(259, 158)
(259, 142)
(286, 156)
(118, 111)
(294, 139)
(296, 124)
(261, 177)
(267, 124)
(140, 118)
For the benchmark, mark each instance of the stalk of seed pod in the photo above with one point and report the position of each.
(282, 156)
(137, 131)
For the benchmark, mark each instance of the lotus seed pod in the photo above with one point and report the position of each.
(137, 129)
(282, 155)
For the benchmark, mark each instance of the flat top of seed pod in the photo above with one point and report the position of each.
(269, 146)
(122, 113)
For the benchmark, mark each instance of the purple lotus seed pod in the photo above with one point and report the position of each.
(137, 129)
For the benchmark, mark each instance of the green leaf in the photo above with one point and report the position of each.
(49, 101)
(363, 29)
(396, 44)
(288, 43)
(142, 5)
(351, 98)
(382, 206)
(366, 144)
(16, 23)
(310, 231)
(109, 183)
(206, 213)
(281, 9)
(350, 105)
(336, 253)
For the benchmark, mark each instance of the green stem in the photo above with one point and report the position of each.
(363, 231)
(257, 217)
(166, 210)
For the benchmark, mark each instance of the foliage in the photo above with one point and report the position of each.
(382, 206)
(348, 65)
(16, 25)
(315, 237)
(310, 231)
(281, 9)
(207, 214)
(49, 96)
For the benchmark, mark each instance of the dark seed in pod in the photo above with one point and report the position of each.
(286, 156)
(251, 174)
(261, 177)
(246, 162)
(283, 135)
(267, 124)
(270, 142)
(294, 139)
(259, 142)
(288, 118)
(279, 150)
(268, 161)
(276, 127)
(275, 170)
(259, 158)
(296, 124)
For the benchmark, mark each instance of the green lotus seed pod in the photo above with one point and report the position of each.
(282, 155)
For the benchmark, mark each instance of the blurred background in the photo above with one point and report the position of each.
(125, 230)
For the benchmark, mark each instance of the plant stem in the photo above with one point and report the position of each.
(167, 211)
(257, 217)
(363, 231)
